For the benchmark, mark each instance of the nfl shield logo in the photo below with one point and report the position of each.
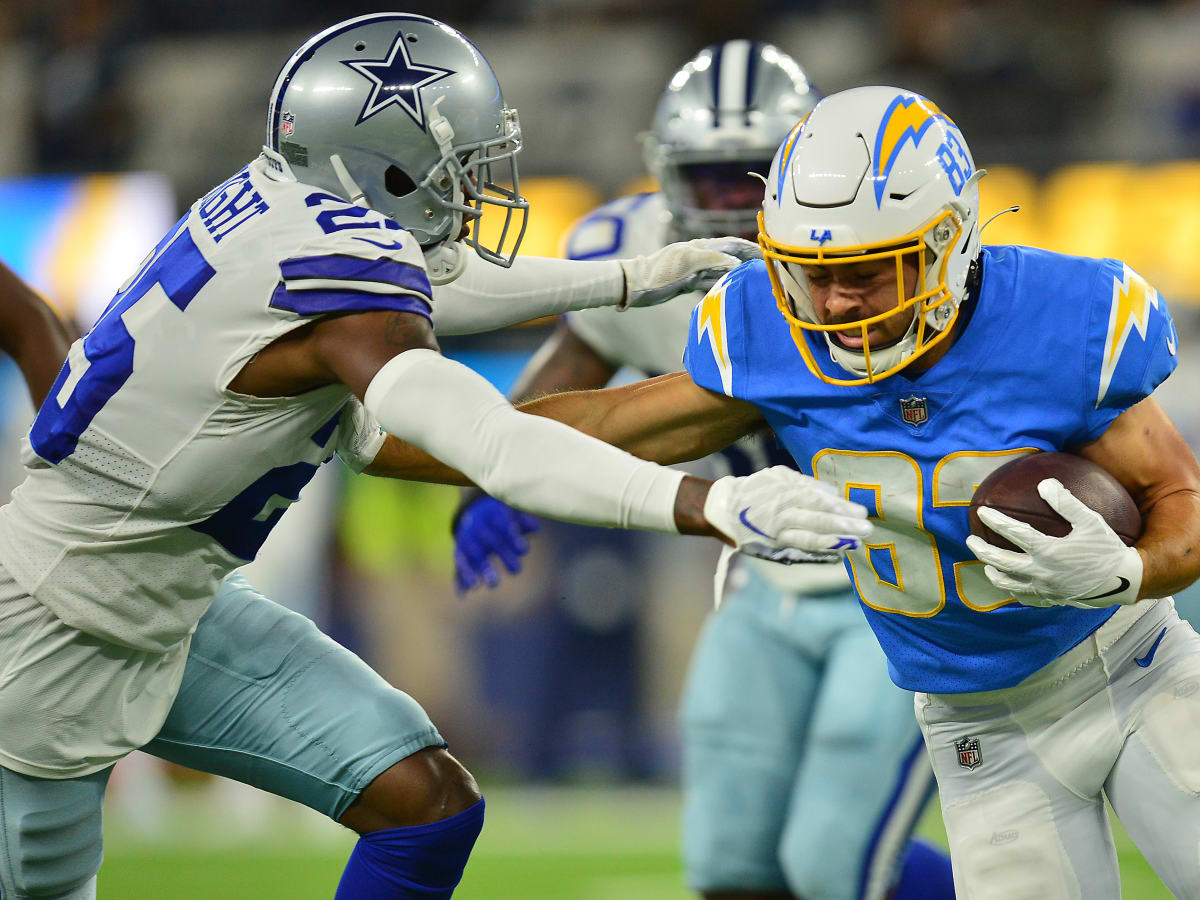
(287, 123)
(914, 410)
(969, 754)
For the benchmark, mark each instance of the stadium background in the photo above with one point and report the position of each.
(559, 689)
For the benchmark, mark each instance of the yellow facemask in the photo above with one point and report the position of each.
(926, 304)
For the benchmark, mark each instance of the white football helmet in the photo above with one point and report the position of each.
(873, 173)
(723, 115)
(403, 114)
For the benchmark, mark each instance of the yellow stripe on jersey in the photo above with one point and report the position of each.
(1131, 302)
(711, 318)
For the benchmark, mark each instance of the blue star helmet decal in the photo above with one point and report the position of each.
(397, 80)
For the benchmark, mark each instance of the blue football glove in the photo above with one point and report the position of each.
(486, 527)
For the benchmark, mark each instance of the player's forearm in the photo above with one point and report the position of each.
(1170, 544)
(486, 297)
(400, 459)
(538, 465)
(655, 420)
(31, 333)
(563, 363)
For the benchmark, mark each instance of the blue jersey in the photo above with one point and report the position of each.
(1054, 350)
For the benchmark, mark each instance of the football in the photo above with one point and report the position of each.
(1012, 489)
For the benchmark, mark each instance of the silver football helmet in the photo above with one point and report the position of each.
(724, 114)
(403, 114)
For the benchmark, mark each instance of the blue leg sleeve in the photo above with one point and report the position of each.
(424, 862)
(924, 874)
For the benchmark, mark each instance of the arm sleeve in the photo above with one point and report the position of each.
(527, 461)
(486, 296)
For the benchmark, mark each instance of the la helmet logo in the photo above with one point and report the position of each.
(969, 754)
(821, 238)
(914, 410)
(396, 81)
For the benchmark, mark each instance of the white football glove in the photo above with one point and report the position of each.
(1089, 568)
(682, 268)
(781, 515)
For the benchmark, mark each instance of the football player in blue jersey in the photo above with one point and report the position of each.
(901, 362)
(804, 769)
(285, 319)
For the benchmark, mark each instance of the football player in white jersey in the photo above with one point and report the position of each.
(803, 772)
(283, 320)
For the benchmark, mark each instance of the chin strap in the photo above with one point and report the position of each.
(445, 262)
(353, 192)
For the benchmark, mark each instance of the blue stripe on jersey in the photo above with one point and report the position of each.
(716, 83)
(325, 432)
(352, 268)
(313, 303)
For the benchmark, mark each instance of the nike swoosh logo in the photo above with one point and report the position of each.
(1171, 346)
(742, 518)
(1145, 661)
(394, 245)
(1120, 587)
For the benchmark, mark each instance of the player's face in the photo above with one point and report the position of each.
(726, 186)
(845, 293)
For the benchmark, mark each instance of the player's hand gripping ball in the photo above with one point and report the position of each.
(1057, 529)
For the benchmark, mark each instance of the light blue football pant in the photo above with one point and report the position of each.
(266, 699)
(804, 768)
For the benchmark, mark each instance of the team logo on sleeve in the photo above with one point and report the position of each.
(969, 754)
(711, 320)
(396, 80)
(1132, 300)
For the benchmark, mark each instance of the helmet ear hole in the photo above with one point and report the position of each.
(397, 183)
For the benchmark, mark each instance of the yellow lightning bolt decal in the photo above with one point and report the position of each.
(711, 318)
(908, 116)
(1131, 302)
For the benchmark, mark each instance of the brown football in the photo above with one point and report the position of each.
(1012, 489)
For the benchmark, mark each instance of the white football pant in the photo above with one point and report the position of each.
(1023, 772)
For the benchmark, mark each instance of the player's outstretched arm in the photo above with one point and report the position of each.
(543, 466)
(484, 528)
(1148, 455)
(668, 419)
(31, 333)
(485, 297)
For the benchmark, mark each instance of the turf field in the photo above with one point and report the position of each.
(601, 843)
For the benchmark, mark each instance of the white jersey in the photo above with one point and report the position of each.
(148, 479)
(652, 340)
